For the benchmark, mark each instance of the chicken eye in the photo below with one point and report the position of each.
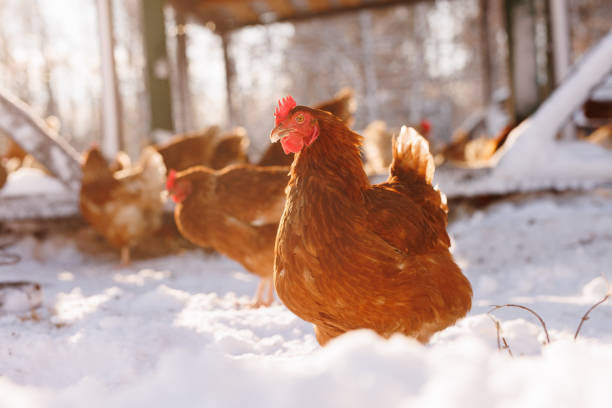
(299, 118)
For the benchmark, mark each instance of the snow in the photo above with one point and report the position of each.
(19, 296)
(30, 193)
(175, 331)
(27, 181)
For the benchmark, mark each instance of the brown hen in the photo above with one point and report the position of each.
(236, 211)
(351, 255)
(124, 206)
(209, 148)
(464, 151)
(602, 136)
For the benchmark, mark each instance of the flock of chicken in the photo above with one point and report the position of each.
(340, 252)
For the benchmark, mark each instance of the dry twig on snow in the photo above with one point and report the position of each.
(500, 338)
(496, 307)
(585, 317)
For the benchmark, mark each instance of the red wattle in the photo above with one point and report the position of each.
(292, 144)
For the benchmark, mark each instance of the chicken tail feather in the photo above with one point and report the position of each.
(411, 157)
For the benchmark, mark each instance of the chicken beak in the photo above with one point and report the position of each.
(278, 133)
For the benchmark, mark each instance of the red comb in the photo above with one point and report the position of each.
(425, 125)
(284, 107)
(171, 179)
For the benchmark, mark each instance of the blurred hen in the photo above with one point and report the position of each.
(209, 148)
(377, 144)
(235, 211)
(124, 206)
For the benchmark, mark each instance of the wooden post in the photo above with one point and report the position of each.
(230, 71)
(561, 51)
(158, 70)
(112, 140)
(367, 51)
(560, 38)
(185, 111)
(487, 65)
(520, 28)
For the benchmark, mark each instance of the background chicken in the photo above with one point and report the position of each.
(210, 148)
(236, 211)
(602, 136)
(124, 206)
(377, 144)
(465, 151)
(121, 161)
(352, 255)
(342, 105)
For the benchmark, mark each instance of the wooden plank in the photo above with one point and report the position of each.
(349, 3)
(204, 11)
(19, 123)
(237, 13)
(335, 11)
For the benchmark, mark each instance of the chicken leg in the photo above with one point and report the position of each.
(265, 285)
(125, 256)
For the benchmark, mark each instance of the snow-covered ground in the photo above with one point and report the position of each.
(175, 332)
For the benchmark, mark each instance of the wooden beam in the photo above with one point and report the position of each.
(349, 3)
(233, 12)
(282, 8)
(349, 6)
(348, 9)
(158, 70)
(318, 6)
